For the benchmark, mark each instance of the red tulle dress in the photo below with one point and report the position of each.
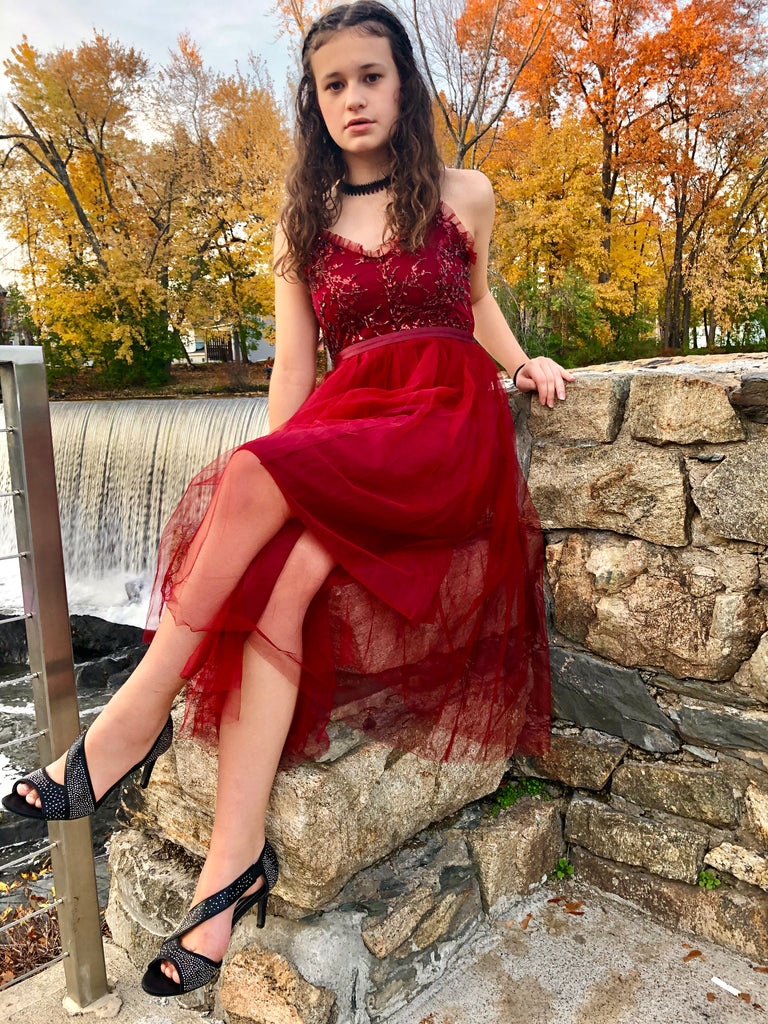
(430, 633)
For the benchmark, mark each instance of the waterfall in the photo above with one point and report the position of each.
(121, 468)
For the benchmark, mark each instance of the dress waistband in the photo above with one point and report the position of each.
(359, 347)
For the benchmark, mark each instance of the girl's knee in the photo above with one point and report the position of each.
(305, 571)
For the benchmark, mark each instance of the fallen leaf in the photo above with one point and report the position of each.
(711, 997)
(570, 907)
(574, 913)
(526, 921)
(559, 899)
(686, 946)
(692, 954)
(761, 970)
(508, 924)
(745, 996)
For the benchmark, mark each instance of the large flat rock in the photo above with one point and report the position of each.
(670, 849)
(701, 794)
(735, 919)
(593, 410)
(693, 612)
(732, 497)
(670, 408)
(629, 488)
(722, 726)
(597, 695)
(326, 820)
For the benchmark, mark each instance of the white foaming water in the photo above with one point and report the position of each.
(121, 468)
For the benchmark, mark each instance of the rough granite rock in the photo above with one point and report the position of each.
(597, 695)
(629, 488)
(326, 820)
(747, 865)
(722, 726)
(692, 612)
(657, 845)
(752, 397)
(752, 677)
(593, 410)
(695, 793)
(415, 909)
(151, 888)
(670, 408)
(584, 761)
(258, 987)
(731, 498)
(514, 850)
(756, 812)
(733, 919)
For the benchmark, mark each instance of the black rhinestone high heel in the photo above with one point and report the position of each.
(74, 798)
(194, 969)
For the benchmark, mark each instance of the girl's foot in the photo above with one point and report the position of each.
(112, 747)
(211, 938)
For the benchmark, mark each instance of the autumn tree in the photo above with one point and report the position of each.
(140, 183)
(710, 79)
(474, 53)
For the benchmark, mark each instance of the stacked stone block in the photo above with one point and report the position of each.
(652, 486)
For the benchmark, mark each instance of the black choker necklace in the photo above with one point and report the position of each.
(365, 190)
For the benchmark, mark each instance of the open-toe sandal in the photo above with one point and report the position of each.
(194, 969)
(74, 798)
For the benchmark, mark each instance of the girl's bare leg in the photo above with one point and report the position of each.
(250, 744)
(246, 511)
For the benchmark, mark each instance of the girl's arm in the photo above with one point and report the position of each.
(296, 335)
(471, 195)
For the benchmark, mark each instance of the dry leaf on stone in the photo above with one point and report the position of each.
(526, 921)
(556, 899)
(745, 996)
(573, 908)
(711, 997)
(692, 955)
(760, 970)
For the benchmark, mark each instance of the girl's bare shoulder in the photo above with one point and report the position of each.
(470, 195)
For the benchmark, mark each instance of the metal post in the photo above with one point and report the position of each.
(30, 456)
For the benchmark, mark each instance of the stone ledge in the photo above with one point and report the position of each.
(327, 821)
(675, 409)
(728, 917)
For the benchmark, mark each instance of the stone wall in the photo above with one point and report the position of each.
(651, 482)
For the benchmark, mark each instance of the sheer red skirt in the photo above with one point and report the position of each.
(430, 633)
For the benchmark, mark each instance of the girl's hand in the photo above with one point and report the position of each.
(544, 375)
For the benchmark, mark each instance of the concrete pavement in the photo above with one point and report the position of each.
(568, 954)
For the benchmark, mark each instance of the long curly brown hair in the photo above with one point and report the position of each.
(416, 169)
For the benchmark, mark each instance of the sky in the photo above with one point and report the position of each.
(225, 32)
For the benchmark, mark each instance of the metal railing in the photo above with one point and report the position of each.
(52, 674)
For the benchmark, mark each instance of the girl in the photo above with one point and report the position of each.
(397, 472)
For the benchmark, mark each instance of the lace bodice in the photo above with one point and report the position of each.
(359, 293)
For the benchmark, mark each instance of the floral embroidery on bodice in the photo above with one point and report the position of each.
(359, 294)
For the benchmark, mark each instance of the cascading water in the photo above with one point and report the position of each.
(121, 467)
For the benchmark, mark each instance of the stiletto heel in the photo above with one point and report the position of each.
(146, 775)
(194, 969)
(75, 798)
